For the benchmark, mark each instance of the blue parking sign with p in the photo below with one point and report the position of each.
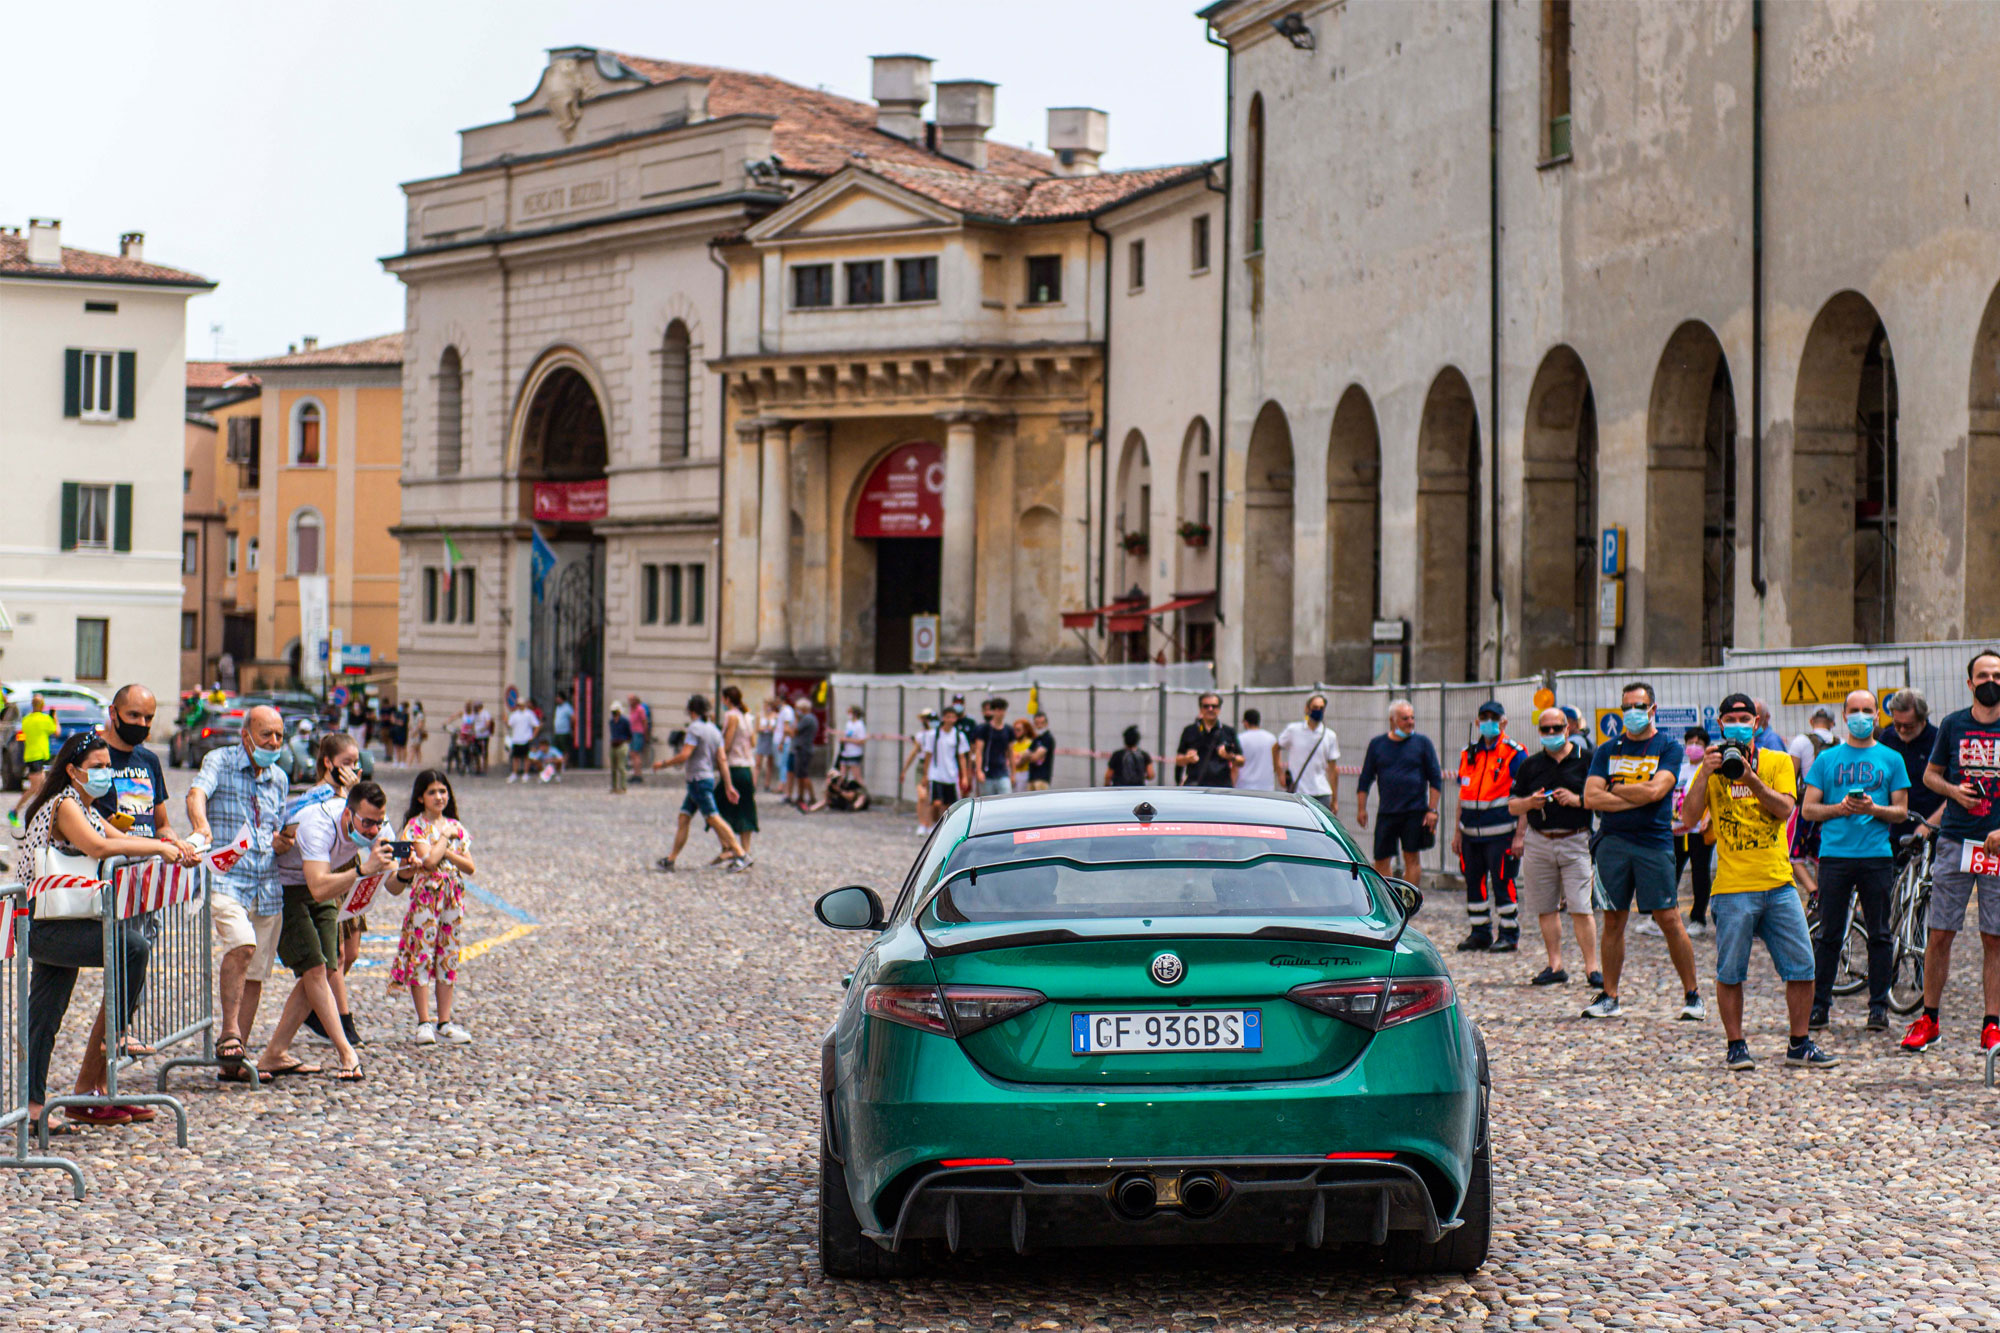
(1611, 552)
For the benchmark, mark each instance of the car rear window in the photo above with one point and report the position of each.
(1172, 870)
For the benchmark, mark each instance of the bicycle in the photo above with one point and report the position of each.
(1909, 922)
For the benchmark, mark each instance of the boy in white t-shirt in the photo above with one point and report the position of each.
(950, 762)
(1309, 751)
(1258, 771)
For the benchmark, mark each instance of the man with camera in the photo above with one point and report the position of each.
(1965, 770)
(1631, 787)
(1859, 790)
(1749, 792)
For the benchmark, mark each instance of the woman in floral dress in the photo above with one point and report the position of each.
(427, 956)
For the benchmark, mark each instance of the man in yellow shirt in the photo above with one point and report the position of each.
(1751, 792)
(38, 728)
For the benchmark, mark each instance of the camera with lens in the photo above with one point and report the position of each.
(1735, 760)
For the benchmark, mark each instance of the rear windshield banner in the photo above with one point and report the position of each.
(1068, 831)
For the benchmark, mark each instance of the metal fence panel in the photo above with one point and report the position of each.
(14, 1043)
(1687, 696)
(1938, 669)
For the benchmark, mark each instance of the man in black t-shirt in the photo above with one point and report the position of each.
(138, 782)
(993, 751)
(1041, 755)
(1553, 835)
(1207, 755)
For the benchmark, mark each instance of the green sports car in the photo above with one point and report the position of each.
(1136, 1016)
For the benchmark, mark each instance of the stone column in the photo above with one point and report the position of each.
(774, 544)
(813, 597)
(1078, 529)
(961, 495)
(995, 551)
(739, 536)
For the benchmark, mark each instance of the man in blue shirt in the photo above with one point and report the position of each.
(565, 728)
(1859, 790)
(1631, 787)
(1406, 766)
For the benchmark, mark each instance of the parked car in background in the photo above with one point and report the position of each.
(16, 696)
(292, 705)
(71, 714)
(221, 726)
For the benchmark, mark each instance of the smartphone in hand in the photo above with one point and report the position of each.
(402, 849)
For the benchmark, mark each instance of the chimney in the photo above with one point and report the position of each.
(45, 241)
(964, 114)
(309, 343)
(902, 86)
(132, 245)
(1077, 136)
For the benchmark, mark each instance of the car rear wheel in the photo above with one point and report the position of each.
(1463, 1249)
(843, 1250)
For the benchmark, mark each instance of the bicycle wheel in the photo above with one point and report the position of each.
(1906, 972)
(1851, 973)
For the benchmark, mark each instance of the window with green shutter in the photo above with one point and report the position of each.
(121, 517)
(73, 381)
(128, 377)
(69, 503)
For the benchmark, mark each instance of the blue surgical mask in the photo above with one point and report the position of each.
(1741, 732)
(1637, 719)
(1861, 725)
(264, 758)
(360, 839)
(1554, 743)
(1396, 735)
(1489, 727)
(97, 783)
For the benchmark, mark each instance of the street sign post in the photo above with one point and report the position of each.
(923, 640)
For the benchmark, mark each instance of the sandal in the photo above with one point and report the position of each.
(139, 1115)
(244, 1074)
(346, 1075)
(98, 1115)
(134, 1050)
(296, 1069)
(229, 1053)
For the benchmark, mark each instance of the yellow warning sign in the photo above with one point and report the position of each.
(1820, 684)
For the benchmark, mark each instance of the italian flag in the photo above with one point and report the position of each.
(452, 556)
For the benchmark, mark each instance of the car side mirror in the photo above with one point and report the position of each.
(1408, 894)
(855, 907)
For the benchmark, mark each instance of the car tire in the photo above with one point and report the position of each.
(843, 1251)
(1464, 1248)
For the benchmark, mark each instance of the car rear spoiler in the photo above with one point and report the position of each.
(946, 940)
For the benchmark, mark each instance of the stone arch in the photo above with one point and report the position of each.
(1690, 572)
(1982, 474)
(1842, 587)
(1267, 549)
(870, 638)
(1448, 532)
(676, 386)
(1037, 584)
(1353, 538)
(1559, 517)
(1132, 516)
(450, 412)
(560, 428)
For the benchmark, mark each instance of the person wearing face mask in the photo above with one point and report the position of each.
(1554, 832)
(1815, 740)
(238, 786)
(64, 815)
(1912, 735)
(1694, 845)
(1965, 770)
(1631, 786)
(1484, 838)
(1405, 765)
(1754, 897)
(1310, 750)
(1858, 791)
(336, 767)
(137, 801)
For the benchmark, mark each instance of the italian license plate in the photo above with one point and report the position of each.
(1151, 1032)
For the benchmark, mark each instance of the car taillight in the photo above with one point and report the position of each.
(949, 1010)
(1375, 1003)
(206, 732)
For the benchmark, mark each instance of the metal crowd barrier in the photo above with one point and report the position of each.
(14, 1041)
(177, 984)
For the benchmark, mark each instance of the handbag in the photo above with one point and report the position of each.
(82, 900)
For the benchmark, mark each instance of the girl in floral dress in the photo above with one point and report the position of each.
(428, 953)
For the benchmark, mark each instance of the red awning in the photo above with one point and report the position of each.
(1181, 602)
(1085, 619)
(1126, 617)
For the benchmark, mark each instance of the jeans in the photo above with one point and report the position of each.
(1773, 915)
(1840, 877)
(1694, 847)
(995, 786)
(59, 949)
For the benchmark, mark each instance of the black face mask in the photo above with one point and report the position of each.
(135, 733)
(1987, 693)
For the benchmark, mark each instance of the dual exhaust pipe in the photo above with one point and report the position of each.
(1139, 1194)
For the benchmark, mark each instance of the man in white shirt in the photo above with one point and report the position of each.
(482, 735)
(1806, 746)
(950, 762)
(1258, 771)
(521, 727)
(1310, 750)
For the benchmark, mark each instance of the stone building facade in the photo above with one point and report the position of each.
(1727, 280)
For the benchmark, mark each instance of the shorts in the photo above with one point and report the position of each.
(237, 927)
(802, 760)
(1038, 784)
(1635, 874)
(1952, 889)
(34, 766)
(518, 751)
(700, 798)
(310, 935)
(995, 786)
(1774, 915)
(1404, 829)
(763, 747)
(1555, 875)
(943, 793)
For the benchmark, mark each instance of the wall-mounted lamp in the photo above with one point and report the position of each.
(1292, 27)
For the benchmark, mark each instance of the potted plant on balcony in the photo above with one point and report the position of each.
(1194, 533)
(1135, 543)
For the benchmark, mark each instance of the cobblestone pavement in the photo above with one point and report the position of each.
(631, 1144)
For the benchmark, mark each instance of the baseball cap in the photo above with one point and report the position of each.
(1493, 707)
(1571, 713)
(1736, 703)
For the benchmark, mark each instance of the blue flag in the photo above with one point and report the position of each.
(541, 560)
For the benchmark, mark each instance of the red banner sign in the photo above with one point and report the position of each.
(571, 501)
(904, 495)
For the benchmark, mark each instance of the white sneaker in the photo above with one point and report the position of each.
(1697, 929)
(454, 1034)
(427, 1034)
(1695, 1010)
(1650, 927)
(513, 778)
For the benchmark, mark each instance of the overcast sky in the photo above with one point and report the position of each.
(262, 145)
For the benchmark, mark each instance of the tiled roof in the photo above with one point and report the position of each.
(818, 132)
(217, 375)
(1050, 199)
(91, 265)
(386, 350)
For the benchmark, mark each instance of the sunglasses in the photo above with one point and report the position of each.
(367, 825)
(1553, 731)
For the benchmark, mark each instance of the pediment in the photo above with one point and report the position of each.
(851, 204)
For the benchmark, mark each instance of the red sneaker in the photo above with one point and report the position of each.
(1923, 1034)
(1989, 1036)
